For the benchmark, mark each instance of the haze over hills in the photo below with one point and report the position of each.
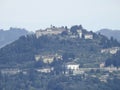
(57, 57)
(110, 33)
(8, 36)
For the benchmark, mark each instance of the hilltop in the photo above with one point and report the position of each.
(74, 44)
(56, 57)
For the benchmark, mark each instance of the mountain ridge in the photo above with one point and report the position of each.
(110, 33)
(8, 36)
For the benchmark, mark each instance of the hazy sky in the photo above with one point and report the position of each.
(36, 14)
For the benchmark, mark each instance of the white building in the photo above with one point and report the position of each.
(37, 57)
(112, 50)
(47, 58)
(88, 36)
(79, 33)
(72, 66)
(102, 65)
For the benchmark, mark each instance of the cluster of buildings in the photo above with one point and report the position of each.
(80, 34)
(58, 30)
(110, 68)
(50, 31)
(69, 68)
(48, 58)
(112, 50)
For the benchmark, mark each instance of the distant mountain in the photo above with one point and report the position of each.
(8, 36)
(108, 32)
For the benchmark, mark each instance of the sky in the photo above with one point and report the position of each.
(39, 14)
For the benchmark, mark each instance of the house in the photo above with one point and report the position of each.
(72, 66)
(37, 57)
(59, 57)
(45, 58)
(88, 36)
(112, 50)
(48, 58)
(102, 65)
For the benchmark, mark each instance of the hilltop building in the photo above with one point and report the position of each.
(79, 33)
(50, 31)
(88, 36)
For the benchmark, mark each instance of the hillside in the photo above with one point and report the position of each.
(8, 36)
(57, 57)
(114, 60)
(110, 33)
(84, 48)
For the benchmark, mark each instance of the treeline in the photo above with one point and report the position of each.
(37, 81)
(114, 60)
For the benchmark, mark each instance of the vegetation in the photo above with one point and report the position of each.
(22, 51)
(38, 81)
(8, 36)
(86, 52)
(114, 60)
